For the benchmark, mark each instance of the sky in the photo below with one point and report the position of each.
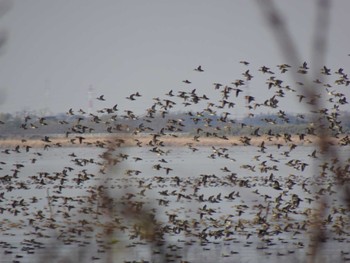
(57, 50)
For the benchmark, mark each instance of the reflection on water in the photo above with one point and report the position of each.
(227, 205)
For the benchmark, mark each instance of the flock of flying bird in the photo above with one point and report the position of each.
(245, 204)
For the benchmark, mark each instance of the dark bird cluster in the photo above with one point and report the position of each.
(113, 180)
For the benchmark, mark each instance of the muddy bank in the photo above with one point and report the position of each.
(149, 140)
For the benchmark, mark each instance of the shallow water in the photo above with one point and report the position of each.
(220, 228)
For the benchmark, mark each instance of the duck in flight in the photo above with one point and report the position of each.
(199, 69)
(101, 98)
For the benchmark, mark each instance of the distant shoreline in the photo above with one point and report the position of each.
(166, 140)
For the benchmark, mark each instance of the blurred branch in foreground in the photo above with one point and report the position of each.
(4, 7)
(289, 49)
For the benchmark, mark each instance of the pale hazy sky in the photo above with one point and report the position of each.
(57, 49)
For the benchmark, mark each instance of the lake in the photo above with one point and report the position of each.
(204, 204)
